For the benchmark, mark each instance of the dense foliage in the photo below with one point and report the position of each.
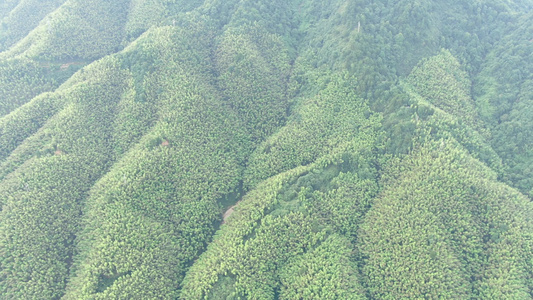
(254, 149)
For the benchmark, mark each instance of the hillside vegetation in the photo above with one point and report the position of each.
(301, 149)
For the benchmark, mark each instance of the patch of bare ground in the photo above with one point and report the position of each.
(229, 212)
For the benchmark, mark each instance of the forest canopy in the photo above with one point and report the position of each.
(254, 149)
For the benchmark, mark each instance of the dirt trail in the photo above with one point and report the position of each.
(62, 65)
(229, 212)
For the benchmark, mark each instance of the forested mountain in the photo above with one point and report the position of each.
(254, 149)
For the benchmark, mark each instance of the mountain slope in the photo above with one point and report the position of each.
(343, 149)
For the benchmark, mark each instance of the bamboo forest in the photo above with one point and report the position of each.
(266, 149)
